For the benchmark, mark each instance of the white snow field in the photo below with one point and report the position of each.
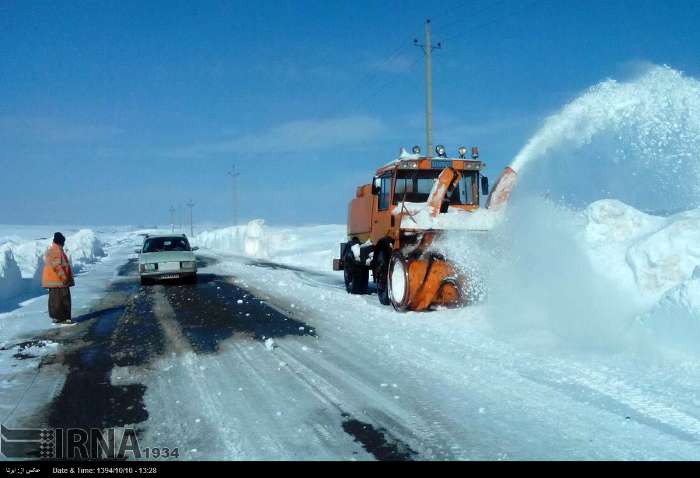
(527, 374)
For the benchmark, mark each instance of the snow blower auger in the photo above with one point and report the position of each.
(394, 220)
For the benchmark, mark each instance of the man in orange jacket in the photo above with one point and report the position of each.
(57, 277)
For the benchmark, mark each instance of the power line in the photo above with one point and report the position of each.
(464, 20)
(498, 19)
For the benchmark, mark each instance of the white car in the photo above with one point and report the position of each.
(167, 257)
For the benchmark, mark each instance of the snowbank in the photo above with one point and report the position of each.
(253, 240)
(83, 248)
(658, 253)
(24, 259)
(10, 275)
(668, 256)
(312, 247)
(656, 260)
(675, 319)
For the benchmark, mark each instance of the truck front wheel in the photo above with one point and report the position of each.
(381, 272)
(399, 289)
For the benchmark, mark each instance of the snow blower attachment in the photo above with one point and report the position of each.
(393, 222)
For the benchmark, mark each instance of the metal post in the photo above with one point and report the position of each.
(428, 50)
(172, 218)
(191, 205)
(428, 90)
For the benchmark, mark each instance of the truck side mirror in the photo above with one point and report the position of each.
(484, 185)
(138, 251)
(376, 185)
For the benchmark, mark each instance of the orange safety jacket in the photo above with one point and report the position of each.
(57, 270)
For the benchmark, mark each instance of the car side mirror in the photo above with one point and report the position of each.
(195, 248)
(484, 185)
(138, 251)
(376, 185)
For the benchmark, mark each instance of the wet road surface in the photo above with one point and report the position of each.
(134, 327)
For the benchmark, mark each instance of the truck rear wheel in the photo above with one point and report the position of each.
(356, 275)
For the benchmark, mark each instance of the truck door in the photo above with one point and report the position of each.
(381, 215)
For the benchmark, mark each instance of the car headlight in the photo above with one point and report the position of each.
(149, 267)
(187, 265)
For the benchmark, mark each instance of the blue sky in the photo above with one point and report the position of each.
(111, 112)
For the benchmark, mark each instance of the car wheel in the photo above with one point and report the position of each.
(146, 281)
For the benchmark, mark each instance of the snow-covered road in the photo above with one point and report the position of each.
(267, 360)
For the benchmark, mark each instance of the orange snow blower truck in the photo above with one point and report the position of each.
(393, 221)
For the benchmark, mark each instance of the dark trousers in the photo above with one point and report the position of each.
(59, 304)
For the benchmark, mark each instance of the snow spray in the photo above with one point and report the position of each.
(637, 140)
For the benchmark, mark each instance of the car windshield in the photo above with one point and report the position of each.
(160, 244)
(415, 186)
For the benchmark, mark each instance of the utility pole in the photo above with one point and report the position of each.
(428, 50)
(234, 175)
(172, 218)
(190, 205)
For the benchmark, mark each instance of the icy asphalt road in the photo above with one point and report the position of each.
(262, 360)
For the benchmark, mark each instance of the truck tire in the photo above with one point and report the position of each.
(356, 275)
(398, 282)
(381, 273)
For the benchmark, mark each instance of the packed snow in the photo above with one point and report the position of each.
(418, 216)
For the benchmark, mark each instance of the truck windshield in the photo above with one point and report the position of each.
(160, 244)
(416, 186)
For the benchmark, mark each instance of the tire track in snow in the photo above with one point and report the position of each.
(184, 358)
(253, 369)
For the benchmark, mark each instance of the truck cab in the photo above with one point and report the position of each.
(373, 213)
